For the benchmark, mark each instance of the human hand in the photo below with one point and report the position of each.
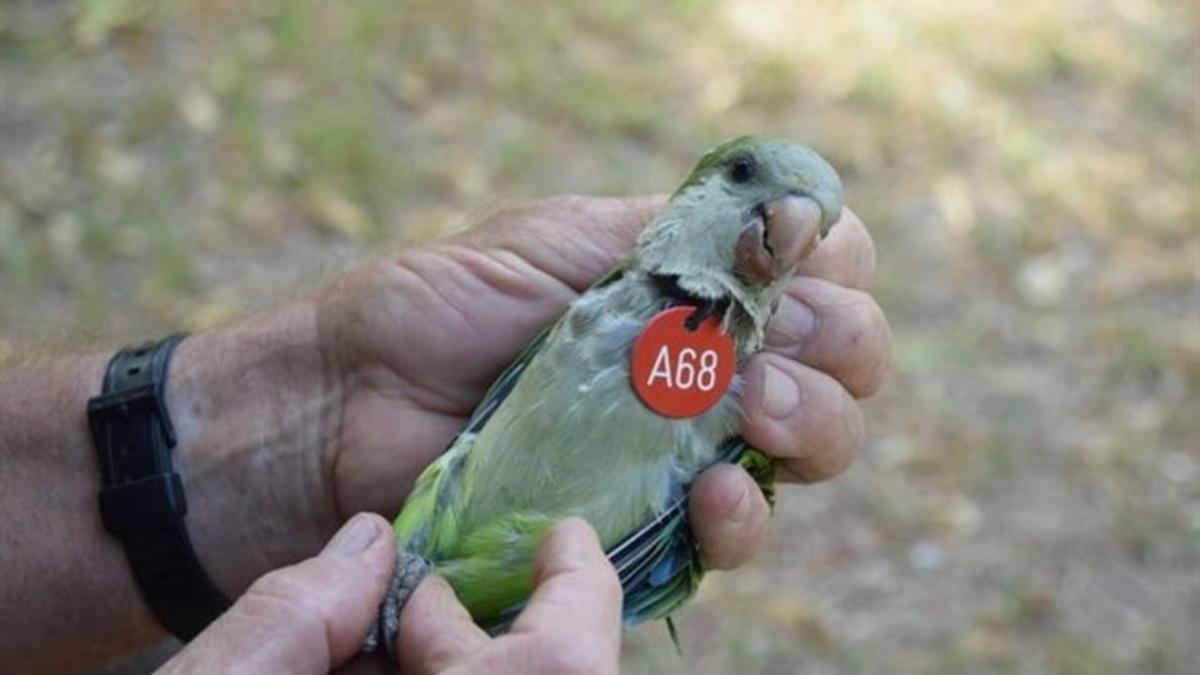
(305, 618)
(571, 624)
(292, 421)
(423, 335)
(310, 617)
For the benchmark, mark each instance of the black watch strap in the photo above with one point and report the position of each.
(142, 501)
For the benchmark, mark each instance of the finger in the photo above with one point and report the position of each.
(840, 331)
(802, 416)
(846, 256)
(435, 629)
(575, 239)
(728, 514)
(304, 618)
(366, 664)
(577, 595)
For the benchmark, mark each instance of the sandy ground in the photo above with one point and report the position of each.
(1029, 500)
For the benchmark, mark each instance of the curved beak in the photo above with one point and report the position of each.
(777, 238)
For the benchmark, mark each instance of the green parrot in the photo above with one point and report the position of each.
(561, 432)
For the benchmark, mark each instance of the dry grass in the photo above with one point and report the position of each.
(1030, 500)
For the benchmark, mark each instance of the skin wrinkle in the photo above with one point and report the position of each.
(794, 347)
(519, 281)
(417, 460)
(336, 381)
(711, 517)
(825, 450)
(589, 255)
(447, 403)
(330, 426)
(849, 339)
(216, 437)
(333, 365)
(425, 435)
(481, 266)
(522, 269)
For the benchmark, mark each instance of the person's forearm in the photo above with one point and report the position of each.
(256, 406)
(251, 402)
(66, 594)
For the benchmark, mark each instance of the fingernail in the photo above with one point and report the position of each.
(780, 393)
(793, 322)
(354, 537)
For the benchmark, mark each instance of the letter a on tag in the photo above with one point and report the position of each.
(677, 372)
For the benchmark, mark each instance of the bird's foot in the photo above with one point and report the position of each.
(409, 571)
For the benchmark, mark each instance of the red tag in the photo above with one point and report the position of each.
(680, 373)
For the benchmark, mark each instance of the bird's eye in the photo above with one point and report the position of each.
(742, 169)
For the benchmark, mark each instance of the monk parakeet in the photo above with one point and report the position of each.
(563, 432)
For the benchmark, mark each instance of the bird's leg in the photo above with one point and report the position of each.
(705, 309)
(409, 571)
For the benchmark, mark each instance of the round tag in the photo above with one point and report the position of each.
(678, 372)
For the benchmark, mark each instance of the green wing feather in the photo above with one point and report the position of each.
(657, 563)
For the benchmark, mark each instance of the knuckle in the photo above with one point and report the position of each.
(837, 445)
(848, 445)
(861, 253)
(836, 423)
(866, 255)
(879, 351)
(609, 584)
(734, 543)
(440, 652)
(870, 340)
(852, 433)
(279, 595)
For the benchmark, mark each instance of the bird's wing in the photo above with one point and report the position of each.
(436, 485)
(657, 564)
(508, 379)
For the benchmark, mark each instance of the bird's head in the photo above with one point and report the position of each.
(740, 224)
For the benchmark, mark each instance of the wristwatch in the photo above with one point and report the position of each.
(141, 499)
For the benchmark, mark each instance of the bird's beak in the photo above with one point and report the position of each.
(778, 236)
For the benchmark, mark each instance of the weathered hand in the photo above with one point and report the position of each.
(304, 618)
(417, 339)
(310, 617)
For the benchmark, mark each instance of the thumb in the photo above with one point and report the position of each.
(306, 618)
(577, 600)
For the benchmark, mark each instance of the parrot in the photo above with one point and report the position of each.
(561, 431)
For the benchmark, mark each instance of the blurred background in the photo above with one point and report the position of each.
(1029, 501)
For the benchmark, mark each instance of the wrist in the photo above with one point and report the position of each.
(257, 407)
